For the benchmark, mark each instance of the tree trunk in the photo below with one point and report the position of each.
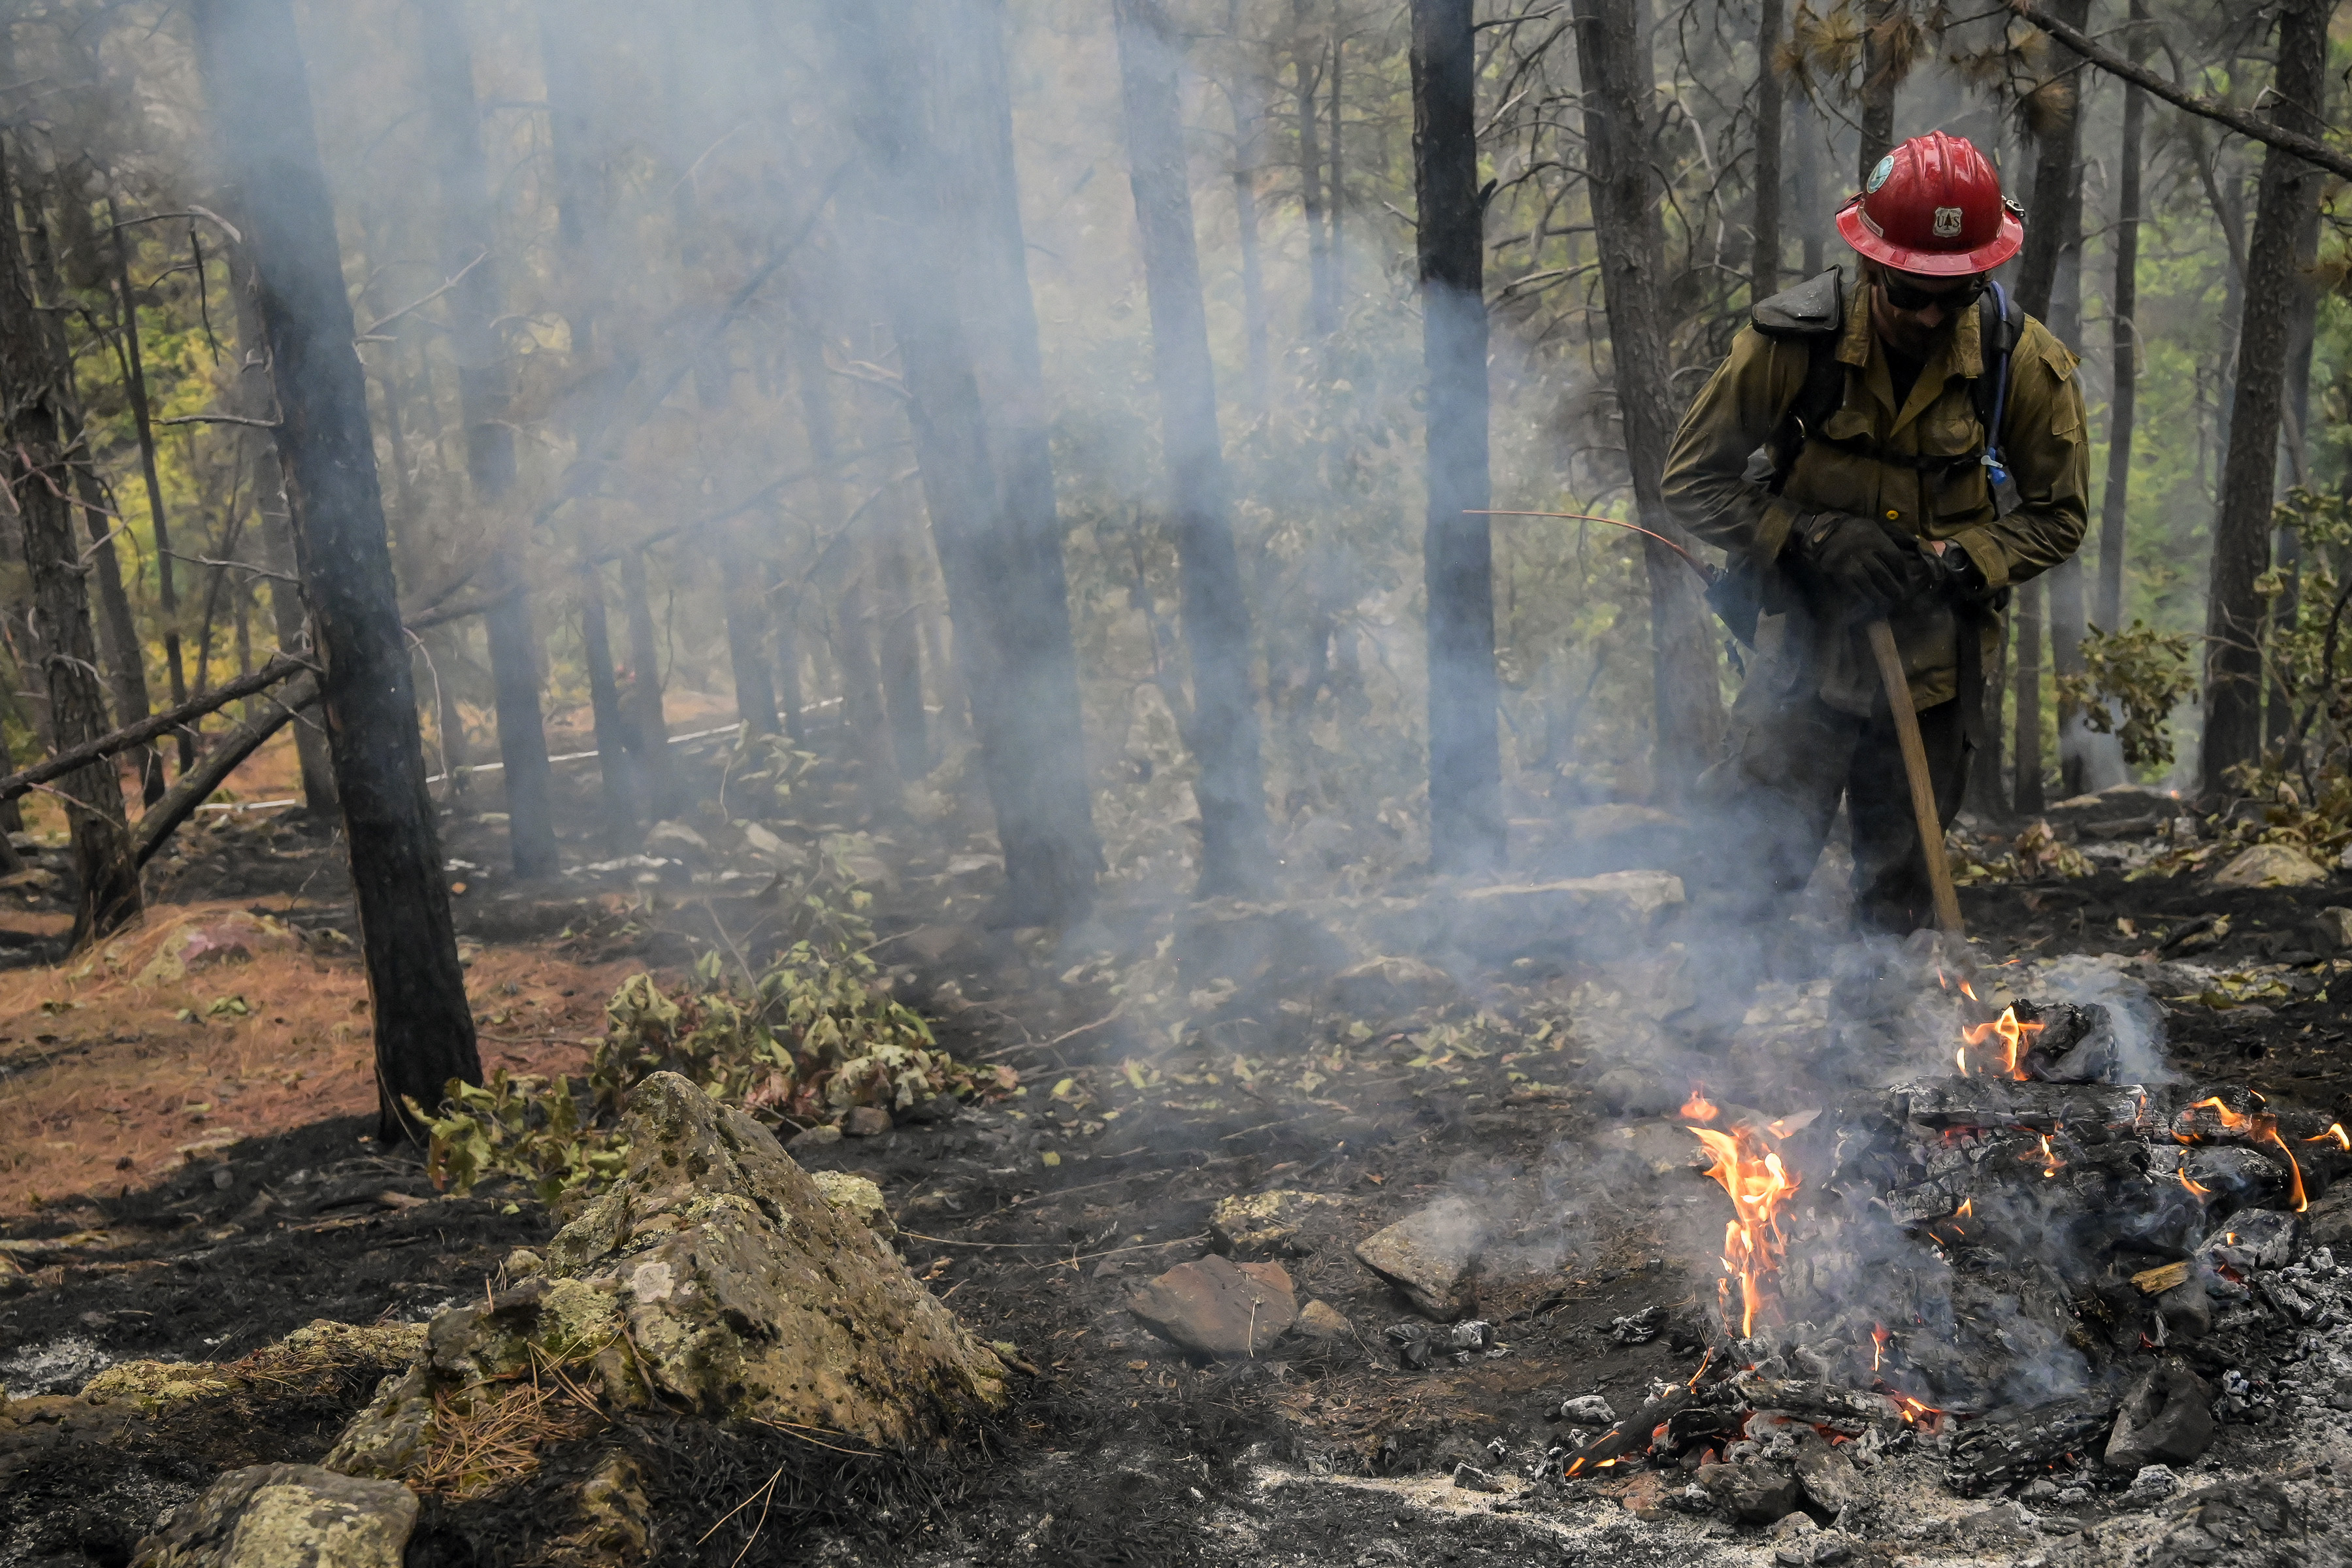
(2029, 799)
(118, 629)
(469, 245)
(1764, 266)
(1230, 786)
(785, 618)
(745, 606)
(619, 755)
(1882, 73)
(255, 79)
(1984, 766)
(1246, 94)
(664, 798)
(1306, 65)
(1612, 59)
(134, 381)
(1466, 762)
(845, 581)
(1805, 182)
(2234, 665)
(1334, 254)
(34, 396)
(900, 639)
(968, 337)
(2115, 506)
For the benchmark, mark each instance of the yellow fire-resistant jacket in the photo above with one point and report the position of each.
(2044, 444)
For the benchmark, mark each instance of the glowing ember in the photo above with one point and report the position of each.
(1698, 1108)
(2259, 1127)
(1758, 1184)
(2010, 1031)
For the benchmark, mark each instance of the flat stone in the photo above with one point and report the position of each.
(2271, 866)
(810, 1138)
(713, 1279)
(866, 1121)
(857, 1197)
(1216, 1306)
(1432, 1256)
(286, 1516)
(1754, 1492)
(1386, 987)
(1262, 1225)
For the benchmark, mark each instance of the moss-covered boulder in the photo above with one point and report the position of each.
(713, 1277)
(286, 1516)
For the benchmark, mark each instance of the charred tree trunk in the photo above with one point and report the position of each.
(2115, 506)
(255, 81)
(900, 637)
(118, 630)
(2241, 543)
(745, 606)
(1246, 94)
(1465, 760)
(2029, 799)
(1306, 65)
(852, 642)
(1764, 266)
(968, 337)
(134, 386)
(1805, 181)
(1230, 786)
(1612, 61)
(647, 721)
(469, 246)
(34, 392)
(619, 759)
(1883, 70)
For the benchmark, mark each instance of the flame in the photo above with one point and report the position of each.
(1698, 1107)
(1878, 1337)
(1968, 1208)
(2201, 1192)
(1912, 1410)
(2259, 1127)
(2010, 1030)
(2049, 1162)
(1758, 1184)
(2336, 1132)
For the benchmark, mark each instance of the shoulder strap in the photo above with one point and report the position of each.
(2000, 321)
(1813, 313)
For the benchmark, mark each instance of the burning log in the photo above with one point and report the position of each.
(1837, 1408)
(1629, 1438)
(2123, 1110)
(2010, 1446)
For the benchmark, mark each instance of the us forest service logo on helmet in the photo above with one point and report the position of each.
(1878, 175)
(1948, 223)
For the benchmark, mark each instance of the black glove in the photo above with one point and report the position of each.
(1955, 577)
(1858, 561)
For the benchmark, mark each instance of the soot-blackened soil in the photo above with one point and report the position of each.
(1034, 1220)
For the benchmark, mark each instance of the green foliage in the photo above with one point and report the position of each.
(805, 1040)
(2143, 671)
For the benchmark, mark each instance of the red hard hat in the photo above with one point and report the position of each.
(1933, 206)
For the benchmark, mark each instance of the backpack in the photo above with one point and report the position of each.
(1814, 312)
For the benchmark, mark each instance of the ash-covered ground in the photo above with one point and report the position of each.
(1498, 1070)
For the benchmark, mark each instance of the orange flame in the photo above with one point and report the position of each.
(2336, 1132)
(2049, 1162)
(2201, 1192)
(1758, 1184)
(1698, 1108)
(2010, 1030)
(2259, 1127)
(1878, 1337)
(1967, 1208)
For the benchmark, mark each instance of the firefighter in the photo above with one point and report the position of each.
(1906, 445)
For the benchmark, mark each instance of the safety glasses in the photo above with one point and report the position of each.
(1905, 293)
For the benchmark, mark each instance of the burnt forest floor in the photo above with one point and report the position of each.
(192, 1182)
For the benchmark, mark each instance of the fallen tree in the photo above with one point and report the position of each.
(228, 751)
(283, 666)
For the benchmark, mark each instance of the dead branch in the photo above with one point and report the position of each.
(2244, 125)
(228, 749)
(282, 668)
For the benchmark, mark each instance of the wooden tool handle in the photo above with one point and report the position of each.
(1915, 765)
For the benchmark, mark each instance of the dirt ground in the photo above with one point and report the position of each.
(186, 1174)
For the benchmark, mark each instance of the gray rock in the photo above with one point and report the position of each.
(1216, 1306)
(712, 1279)
(286, 1516)
(1432, 1256)
(1754, 1493)
(864, 1122)
(1263, 1225)
(1323, 1323)
(1588, 1410)
(808, 1140)
(1469, 1478)
(2337, 922)
(857, 1197)
(677, 841)
(2167, 1418)
(2271, 866)
(2152, 1485)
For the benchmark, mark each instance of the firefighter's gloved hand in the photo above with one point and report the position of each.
(1858, 561)
(1955, 575)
